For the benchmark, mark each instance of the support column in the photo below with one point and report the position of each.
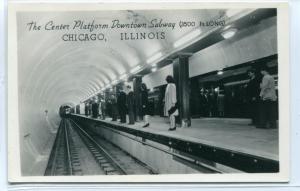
(181, 76)
(137, 83)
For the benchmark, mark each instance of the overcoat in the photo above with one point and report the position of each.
(170, 99)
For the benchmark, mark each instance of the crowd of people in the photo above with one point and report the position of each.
(211, 103)
(258, 101)
(122, 105)
(260, 91)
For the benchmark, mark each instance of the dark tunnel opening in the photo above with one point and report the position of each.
(64, 110)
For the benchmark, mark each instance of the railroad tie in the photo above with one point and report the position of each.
(113, 173)
(105, 165)
(102, 161)
(99, 158)
(97, 155)
(109, 169)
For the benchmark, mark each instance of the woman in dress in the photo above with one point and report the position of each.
(145, 105)
(171, 109)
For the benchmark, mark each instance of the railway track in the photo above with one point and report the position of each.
(108, 164)
(64, 159)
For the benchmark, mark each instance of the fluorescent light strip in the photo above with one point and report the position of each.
(154, 57)
(187, 38)
(135, 69)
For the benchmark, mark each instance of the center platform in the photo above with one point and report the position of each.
(230, 142)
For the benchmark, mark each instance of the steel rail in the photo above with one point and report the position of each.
(70, 168)
(57, 145)
(107, 155)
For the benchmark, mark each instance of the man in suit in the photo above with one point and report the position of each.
(253, 90)
(94, 109)
(130, 105)
(121, 101)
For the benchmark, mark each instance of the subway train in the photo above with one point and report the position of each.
(65, 110)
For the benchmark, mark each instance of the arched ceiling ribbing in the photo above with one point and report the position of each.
(53, 72)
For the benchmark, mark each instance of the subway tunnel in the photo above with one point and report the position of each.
(61, 72)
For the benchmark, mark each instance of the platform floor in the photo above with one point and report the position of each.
(232, 134)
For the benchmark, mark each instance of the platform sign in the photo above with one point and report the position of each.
(148, 92)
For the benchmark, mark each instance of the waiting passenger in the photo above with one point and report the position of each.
(203, 101)
(171, 109)
(268, 98)
(90, 108)
(145, 105)
(253, 90)
(220, 103)
(121, 101)
(130, 105)
(94, 109)
(86, 109)
(212, 103)
(113, 107)
(102, 108)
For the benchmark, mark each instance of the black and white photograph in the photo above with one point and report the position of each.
(148, 93)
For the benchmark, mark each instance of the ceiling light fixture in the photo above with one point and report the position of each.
(187, 38)
(229, 33)
(154, 57)
(153, 69)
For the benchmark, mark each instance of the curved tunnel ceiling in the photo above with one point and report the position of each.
(53, 72)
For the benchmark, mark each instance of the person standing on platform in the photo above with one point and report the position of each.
(253, 90)
(90, 108)
(171, 108)
(99, 109)
(130, 105)
(94, 109)
(102, 108)
(220, 103)
(114, 107)
(202, 103)
(145, 105)
(268, 98)
(86, 109)
(212, 102)
(121, 101)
